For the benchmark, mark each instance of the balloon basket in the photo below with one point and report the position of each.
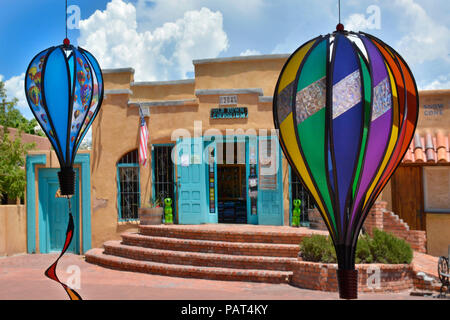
(67, 181)
(348, 283)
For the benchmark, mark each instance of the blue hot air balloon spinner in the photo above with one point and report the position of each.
(64, 89)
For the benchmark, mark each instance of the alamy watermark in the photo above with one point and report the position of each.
(74, 280)
(370, 20)
(374, 277)
(193, 149)
(73, 17)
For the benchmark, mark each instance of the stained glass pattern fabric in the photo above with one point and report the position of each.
(381, 99)
(346, 93)
(311, 99)
(285, 102)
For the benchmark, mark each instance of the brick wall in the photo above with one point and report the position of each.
(315, 220)
(322, 276)
(379, 217)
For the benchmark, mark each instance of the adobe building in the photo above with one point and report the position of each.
(224, 117)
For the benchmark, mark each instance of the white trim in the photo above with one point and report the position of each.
(203, 92)
(242, 58)
(118, 91)
(163, 103)
(162, 83)
(117, 70)
(265, 99)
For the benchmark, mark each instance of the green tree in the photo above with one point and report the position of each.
(11, 117)
(12, 150)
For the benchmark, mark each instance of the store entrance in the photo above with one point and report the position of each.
(231, 183)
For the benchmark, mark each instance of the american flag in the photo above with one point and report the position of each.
(143, 141)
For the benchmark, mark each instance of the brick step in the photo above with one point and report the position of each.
(97, 256)
(201, 259)
(224, 247)
(284, 236)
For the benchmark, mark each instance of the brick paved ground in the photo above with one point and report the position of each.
(21, 277)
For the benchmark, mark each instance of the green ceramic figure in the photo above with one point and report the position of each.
(296, 213)
(168, 217)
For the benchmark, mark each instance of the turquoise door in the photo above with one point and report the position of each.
(270, 186)
(54, 214)
(192, 204)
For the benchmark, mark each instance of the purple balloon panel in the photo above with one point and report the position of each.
(378, 137)
(378, 68)
(346, 119)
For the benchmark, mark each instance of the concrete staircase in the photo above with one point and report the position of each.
(230, 252)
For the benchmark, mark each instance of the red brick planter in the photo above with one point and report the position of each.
(322, 276)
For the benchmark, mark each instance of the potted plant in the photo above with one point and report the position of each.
(151, 212)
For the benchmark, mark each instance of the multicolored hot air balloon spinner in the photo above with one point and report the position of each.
(346, 106)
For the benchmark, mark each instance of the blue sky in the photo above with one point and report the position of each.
(160, 38)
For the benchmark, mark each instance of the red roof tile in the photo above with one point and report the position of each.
(428, 147)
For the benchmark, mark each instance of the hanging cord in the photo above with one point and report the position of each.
(340, 26)
(66, 40)
(51, 271)
(66, 18)
(339, 5)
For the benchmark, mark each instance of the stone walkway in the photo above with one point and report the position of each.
(22, 277)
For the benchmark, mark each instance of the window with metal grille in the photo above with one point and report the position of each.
(298, 191)
(128, 186)
(163, 180)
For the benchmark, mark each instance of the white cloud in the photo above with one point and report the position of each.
(357, 22)
(153, 13)
(14, 87)
(426, 39)
(250, 52)
(161, 54)
(442, 82)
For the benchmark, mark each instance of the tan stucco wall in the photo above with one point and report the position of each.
(118, 80)
(438, 233)
(433, 119)
(163, 92)
(13, 230)
(239, 74)
(119, 134)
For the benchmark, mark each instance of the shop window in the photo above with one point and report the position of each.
(163, 181)
(436, 188)
(268, 166)
(128, 186)
(298, 191)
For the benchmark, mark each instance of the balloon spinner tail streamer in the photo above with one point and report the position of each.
(51, 271)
